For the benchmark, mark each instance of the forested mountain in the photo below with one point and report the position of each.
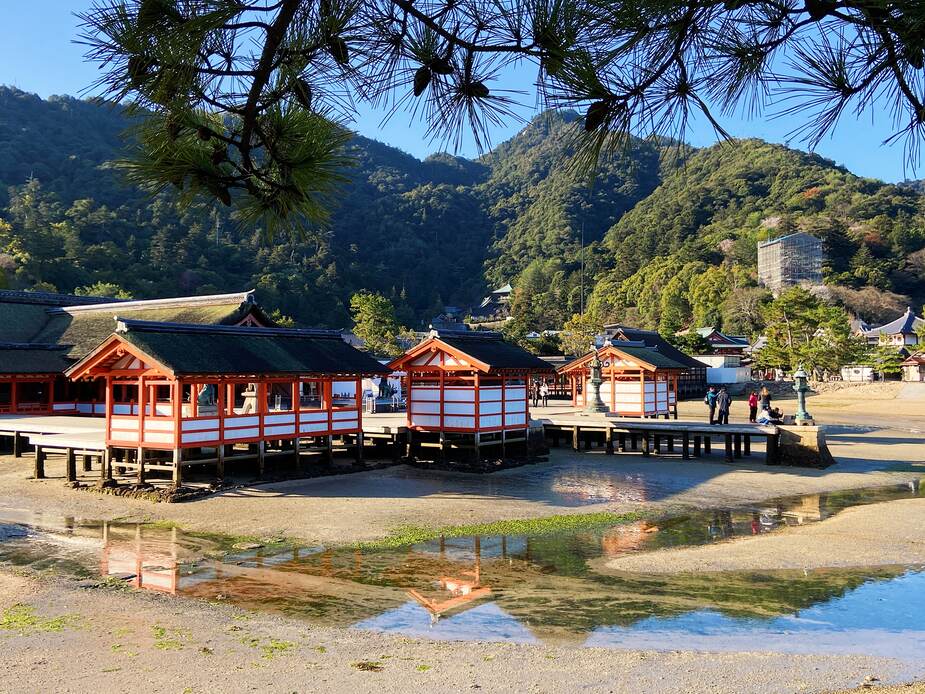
(670, 232)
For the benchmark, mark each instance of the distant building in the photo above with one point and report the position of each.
(497, 304)
(724, 343)
(914, 368)
(902, 332)
(788, 260)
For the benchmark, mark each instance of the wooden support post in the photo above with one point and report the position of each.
(478, 452)
(576, 439)
(645, 443)
(17, 445)
(140, 461)
(87, 464)
(329, 449)
(707, 444)
(297, 453)
(621, 440)
(177, 467)
(358, 453)
(608, 440)
(671, 443)
(657, 443)
(771, 456)
(696, 445)
(408, 444)
(737, 443)
(70, 465)
(220, 452)
(633, 438)
(685, 445)
(588, 440)
(39, 472)
(728, 440)
(104, 464)
(748, 444)
(262, 457)
(503, 442)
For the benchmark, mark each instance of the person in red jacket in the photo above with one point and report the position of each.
(753, 406)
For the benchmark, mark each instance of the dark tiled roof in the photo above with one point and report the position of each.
(906, 324)
(51, 298)
(491, 348)
(25, 358)
(650, 356)
(227, 350)
(83, 328)
(655, 341)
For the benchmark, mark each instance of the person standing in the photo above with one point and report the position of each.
(765, 398)
(723, 402)
(753, 406)
(536, 393)
(710, 401)
(544, 393)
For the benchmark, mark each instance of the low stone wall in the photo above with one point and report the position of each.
(804, 446)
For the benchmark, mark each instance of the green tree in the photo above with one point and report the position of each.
(885, 360)
(109, 289)
(803, 330)
(241, 98)
(374, 322)
(579, 332)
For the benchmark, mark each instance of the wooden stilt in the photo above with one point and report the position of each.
(359, 449)
(576, 439)
(748, 444)
(670, 443)
(696, 445)
(503, 444)
(297, 453)
(728, 441)
(39, 472)
(87, 464)
(737, 444)
(633, 441)
(621, 441)
(70, 465)
(17, 445)
(478, 450)
(657, 443)
(177, 467)
(685, 445)
(707, 445)
(645, 443)
(262, 457)
(608, 440)
(140, 461)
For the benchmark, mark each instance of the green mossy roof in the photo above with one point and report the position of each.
(187, 351)
(649, 356)
(20, 322)
(28, 359)
(83, 331)
(492, 349)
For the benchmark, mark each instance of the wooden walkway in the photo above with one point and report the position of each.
(648, 436)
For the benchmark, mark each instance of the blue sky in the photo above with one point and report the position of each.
(37, 54)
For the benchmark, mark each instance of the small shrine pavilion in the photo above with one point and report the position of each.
(469, 388)
(180, 388)
(637, 381)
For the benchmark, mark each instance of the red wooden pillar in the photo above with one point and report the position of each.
(477, 385)
(14, 396)
(176, 399)
(613, 388)
(108, 407)
(442, 396)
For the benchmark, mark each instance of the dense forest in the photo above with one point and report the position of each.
(670, 232)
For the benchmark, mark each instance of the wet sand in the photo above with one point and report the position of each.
(891, 533)
(369, 505)
(114, 640)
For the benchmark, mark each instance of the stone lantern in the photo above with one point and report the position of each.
(801, 386)
(593, 402)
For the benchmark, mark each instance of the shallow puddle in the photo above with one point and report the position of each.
(539, 589)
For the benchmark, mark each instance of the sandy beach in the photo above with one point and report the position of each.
(127, 637)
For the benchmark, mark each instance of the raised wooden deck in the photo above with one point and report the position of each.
(694, 438)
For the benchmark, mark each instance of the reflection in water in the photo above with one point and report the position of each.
(521, 589)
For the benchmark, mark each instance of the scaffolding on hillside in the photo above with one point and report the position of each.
(792, 259)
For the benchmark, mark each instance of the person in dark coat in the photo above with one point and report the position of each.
(723, 402)
(710, 401)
